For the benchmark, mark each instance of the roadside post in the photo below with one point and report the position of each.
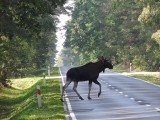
(49, 70)
(159, 71)
(39, 96)
(130, 67)
(44, 80)
(44, 75)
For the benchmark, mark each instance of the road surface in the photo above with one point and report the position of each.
(122, 98)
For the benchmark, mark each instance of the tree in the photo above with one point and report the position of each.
(27, 34)
(122, 30)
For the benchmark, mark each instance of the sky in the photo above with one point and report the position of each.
(63, 18)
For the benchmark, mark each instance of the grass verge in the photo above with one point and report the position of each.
(149, 78)
(152, 78)
(20, 102)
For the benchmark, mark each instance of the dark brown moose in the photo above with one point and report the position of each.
(88, 72)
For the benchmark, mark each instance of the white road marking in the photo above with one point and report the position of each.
(132, 98)
(126, 95)
(72, 115)
(157, 109)
(148, 105)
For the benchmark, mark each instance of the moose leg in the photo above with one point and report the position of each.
(75, 89)
(96, 82)
(89, 85)
(68, 81)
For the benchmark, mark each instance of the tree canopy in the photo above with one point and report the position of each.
(27, 34)
(122, 30)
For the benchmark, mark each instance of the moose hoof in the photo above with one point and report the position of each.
(81, 98)
(99, 94)
(89, 98)
(62, 100)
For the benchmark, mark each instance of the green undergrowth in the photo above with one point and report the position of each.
(20, 101)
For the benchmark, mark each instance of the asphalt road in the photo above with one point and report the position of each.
(122, 98)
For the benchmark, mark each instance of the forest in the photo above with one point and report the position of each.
(27, 35)
(124, 31)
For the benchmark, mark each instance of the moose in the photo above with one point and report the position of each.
(88, 72)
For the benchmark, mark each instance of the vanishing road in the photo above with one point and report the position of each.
(122, 98)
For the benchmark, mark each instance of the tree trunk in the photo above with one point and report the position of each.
(3, 78)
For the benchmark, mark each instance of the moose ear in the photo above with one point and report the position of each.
(101, 58)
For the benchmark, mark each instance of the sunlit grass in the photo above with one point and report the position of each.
(52, 108)
(24, 83)
(20, 102)
(149, 78)
(152, 78)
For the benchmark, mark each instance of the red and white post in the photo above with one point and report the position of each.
(39, 96)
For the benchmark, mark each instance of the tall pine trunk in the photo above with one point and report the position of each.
(3, 77)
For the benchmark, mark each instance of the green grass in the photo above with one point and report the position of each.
(20, 102)
(149, 78)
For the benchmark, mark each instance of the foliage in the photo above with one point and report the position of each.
(27, 35)
(122, 30)
(20, 102)
(69, 58)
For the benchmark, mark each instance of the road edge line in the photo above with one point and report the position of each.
(68, 105)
